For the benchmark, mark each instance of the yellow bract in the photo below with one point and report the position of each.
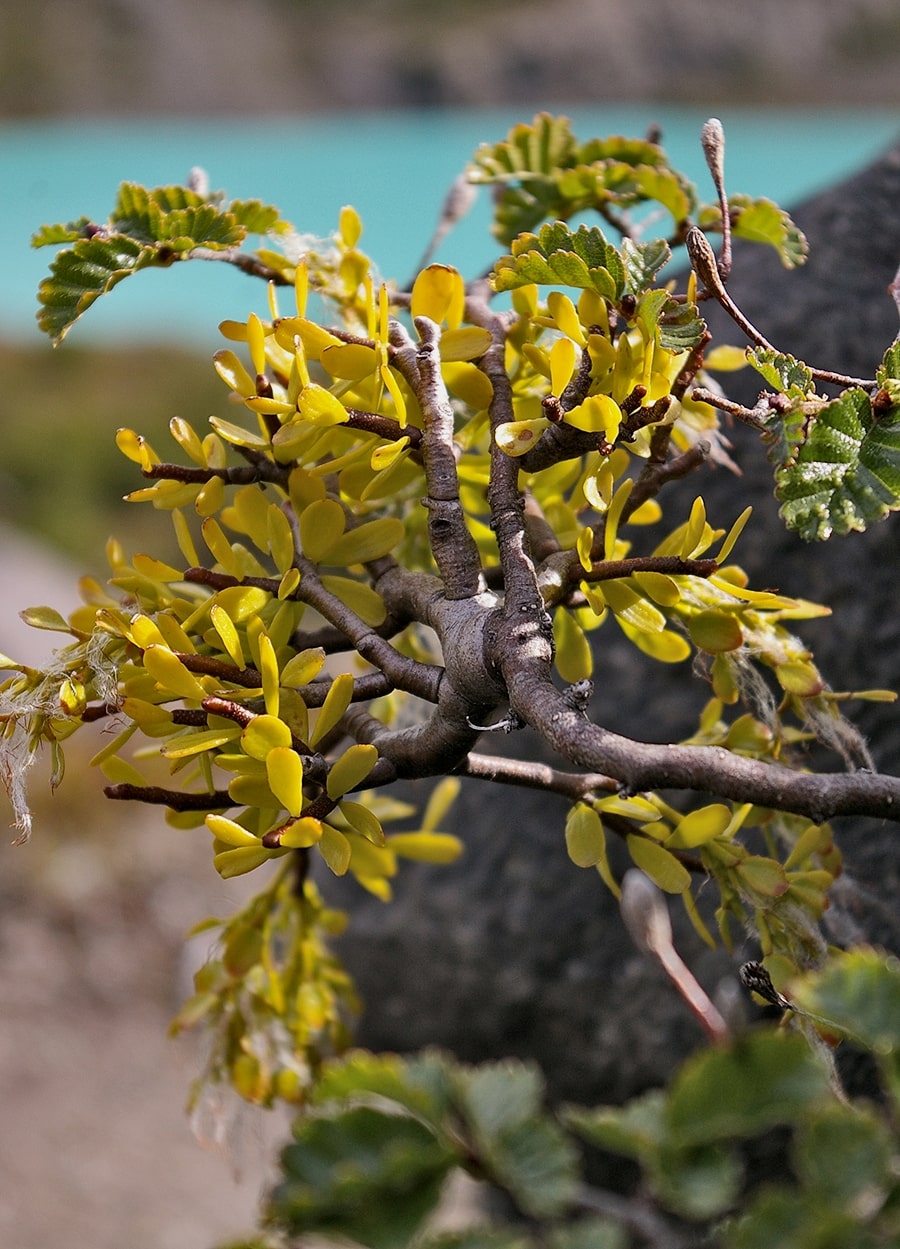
(233, 373)
(228, 831)
(354, 766)
(321, 525)
(426, 847)
(439, 293)
(284, 771)
(262, 734)
(303, 667)
(598, 414)
(171, 675)
(349, 361)
(574, 660)
(562, 365)
(517, 437)
(320, 407)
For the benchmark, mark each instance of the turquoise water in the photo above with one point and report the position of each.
(394, 168)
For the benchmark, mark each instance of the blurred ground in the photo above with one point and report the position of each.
(96, 1150)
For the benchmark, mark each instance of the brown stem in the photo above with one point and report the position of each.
(178, 800)
(703, 262)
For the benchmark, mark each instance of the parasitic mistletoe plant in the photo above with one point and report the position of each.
(422, 505)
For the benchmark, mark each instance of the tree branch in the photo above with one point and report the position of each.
(641, 766)
(452, 545)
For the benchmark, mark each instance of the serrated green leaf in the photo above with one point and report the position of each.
(763, 1079)
(582, 259)
(526, 1151)
(697, 1183)
(53, 235)
(421, 1085)
(256, 217)
(860, 992)
(362, 1175)
(762, 221)
(537, 1164)
(889, 369)
(635, 1130)
(680, 326)
(643, 262)
(846, 474)
(174, 217)
(842, 1152)
(497, 1097)
(783, 372)
(82, 273)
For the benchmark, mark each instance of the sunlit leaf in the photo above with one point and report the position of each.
(846, 474)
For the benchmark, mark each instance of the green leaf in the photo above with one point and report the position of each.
(361, 1174)
(635, 1130)
(525, 168)
(421, 1085)
(763, 1079)
(762, 221)
(860, 992)
(174, 216)
(52, 236)
(537, 1164)
(843, 1152)
(643, 262)
(146, 227)
(557, 256)
(255, 217)
(889, 369)
(497, 1097)
(846, 474)
(783, 372)
(81, 274)
(680, 327)
(697, 1183)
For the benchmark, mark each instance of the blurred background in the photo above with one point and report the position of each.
(307, 104)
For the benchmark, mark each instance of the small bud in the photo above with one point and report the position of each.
(703, 260)
(712, 136)
(198, 182)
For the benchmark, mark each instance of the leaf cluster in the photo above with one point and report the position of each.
(368, 1160)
